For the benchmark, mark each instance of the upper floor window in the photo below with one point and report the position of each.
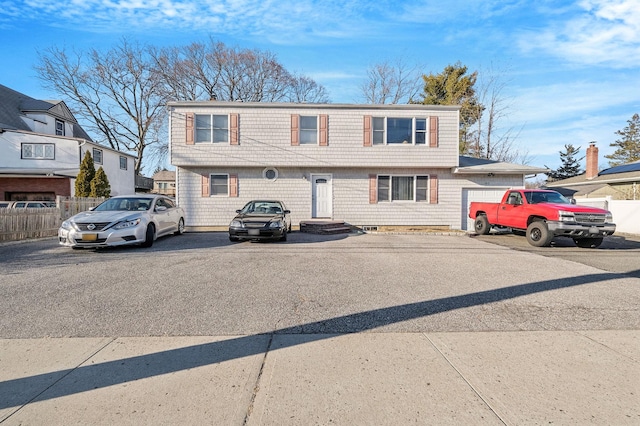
(59, 127)
(308, 129)
(388, 130)
(38, 151)
(212, 128)
(123, 162)
(97, 156)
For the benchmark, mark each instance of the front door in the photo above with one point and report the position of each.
(321, 196)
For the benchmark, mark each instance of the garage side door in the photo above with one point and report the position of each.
(489, 195)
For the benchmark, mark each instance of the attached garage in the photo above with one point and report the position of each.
(489, 195)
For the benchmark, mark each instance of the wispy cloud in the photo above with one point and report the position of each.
(602, 32)
(279, 21)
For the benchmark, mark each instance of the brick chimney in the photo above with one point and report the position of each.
(592, 161)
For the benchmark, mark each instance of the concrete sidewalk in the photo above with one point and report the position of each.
(513, 378)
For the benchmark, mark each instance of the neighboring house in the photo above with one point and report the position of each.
(164, 182)
(619, 183)
(42, 146)
(375, 166)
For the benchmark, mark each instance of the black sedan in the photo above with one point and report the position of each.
(261, 220)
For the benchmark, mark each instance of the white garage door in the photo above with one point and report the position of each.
(489, 195)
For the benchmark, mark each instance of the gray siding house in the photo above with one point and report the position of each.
(382, 166)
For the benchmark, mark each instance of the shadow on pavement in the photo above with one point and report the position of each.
(94, 376)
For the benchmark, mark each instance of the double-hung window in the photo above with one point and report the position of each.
(212, 128)
(59, 127)
(308, 129)
(219, 185)
(123, 163)
(97, 156)
(403, 188)
(389, 130)
(38, 151)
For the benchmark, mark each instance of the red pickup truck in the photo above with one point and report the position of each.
(542, 215)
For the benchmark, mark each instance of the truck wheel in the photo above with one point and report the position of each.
(482, 225)
(588, 242)
(538, 234)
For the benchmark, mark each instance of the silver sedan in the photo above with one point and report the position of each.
(133, 219)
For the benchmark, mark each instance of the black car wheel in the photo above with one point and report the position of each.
(180, 230)
(149, 236)
(538, 234)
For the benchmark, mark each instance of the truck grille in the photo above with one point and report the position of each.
(590, 218)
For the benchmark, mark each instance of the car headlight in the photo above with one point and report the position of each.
(128, 224)
(67, 225)
(565, 216)
(235, 224)
(275, 224)
(609, 217)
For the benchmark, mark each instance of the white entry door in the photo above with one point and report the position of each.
(321, 195)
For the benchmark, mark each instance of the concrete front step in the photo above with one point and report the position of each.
(316, 226)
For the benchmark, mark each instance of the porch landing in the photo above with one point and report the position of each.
(325, 226)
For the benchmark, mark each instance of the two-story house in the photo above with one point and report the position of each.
(164, 182)
(42, 146)
(369, 165)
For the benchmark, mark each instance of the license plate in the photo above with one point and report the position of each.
(89, 237)
(254, 232)
(594, 230)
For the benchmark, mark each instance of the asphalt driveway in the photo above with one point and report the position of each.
(200, 284)
(618, 253)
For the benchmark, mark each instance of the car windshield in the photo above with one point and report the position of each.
(546, 197)
(131, 204)
(262, 207)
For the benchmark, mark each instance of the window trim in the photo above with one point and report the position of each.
(126, 163)
(266, 171)
(44, 150)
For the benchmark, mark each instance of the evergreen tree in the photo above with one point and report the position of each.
(100, 184)
(570, 164)
(628, 146)
(85, 176)
(455, 87)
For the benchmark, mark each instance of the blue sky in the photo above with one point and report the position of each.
(571, 68)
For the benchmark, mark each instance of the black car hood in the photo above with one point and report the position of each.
(258, 218)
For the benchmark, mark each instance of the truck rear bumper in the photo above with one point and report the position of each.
(581, 231)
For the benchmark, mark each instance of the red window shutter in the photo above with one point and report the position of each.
(433, 132)
(295, 130)
(233, 185)
(324, 130)
(433, 189)
(373, 189)
(233, 129)
(367, 131)
(205, 185)
(189, 128)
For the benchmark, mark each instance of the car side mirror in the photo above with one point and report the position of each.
(287, 211)
(161, 208)
(573, 201)
(238, 211)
